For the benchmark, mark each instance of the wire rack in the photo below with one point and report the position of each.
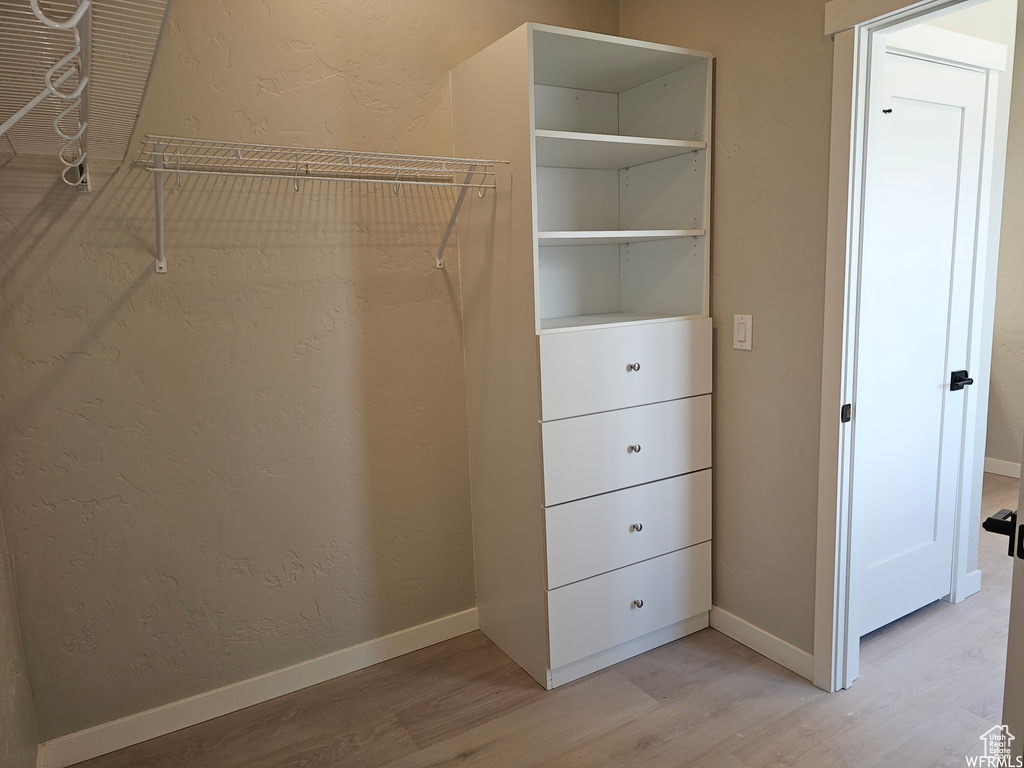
(227, 158)
(54, 64)
(116, 39)
(180, 157)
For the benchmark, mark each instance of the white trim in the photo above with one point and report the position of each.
(831, 598)
(983, 307)
(843, 15)
(948, 47)
(118, 734)
(970, 584)
(765, 643)
(577, 669)
(836, 644)
(1004, 468)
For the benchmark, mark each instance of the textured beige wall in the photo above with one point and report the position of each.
(261, 456)
(17, 717)
(773, 100)
(1006, 394)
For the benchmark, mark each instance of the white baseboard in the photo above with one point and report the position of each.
(1000, 467)
(118, 734)
(969, 584)
(765, 643)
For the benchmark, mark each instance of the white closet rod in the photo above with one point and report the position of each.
(162, 155)
(76, 62)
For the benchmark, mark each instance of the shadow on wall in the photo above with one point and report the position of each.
(24, 275)
(269, 441)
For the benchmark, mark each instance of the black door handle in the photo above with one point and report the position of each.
(958, 380)
(1003, 522)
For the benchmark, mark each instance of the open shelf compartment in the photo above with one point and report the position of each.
(587, 285)
(589, 85)
(667, 194)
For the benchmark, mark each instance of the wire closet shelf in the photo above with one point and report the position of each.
(67, 79)
(162, 155)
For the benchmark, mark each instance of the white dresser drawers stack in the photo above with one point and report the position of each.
(627, 487)
(588, 345)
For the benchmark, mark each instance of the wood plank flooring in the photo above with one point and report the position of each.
(930, 685)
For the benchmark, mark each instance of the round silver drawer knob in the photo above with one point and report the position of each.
(633, 448)
(637, 527)
(633, 367)
(638, 603)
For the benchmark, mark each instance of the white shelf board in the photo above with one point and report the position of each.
(580, 322)
(568, 149)
(610, 237)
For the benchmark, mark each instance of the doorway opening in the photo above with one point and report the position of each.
(914, 224)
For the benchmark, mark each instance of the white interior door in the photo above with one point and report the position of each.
(916, 284)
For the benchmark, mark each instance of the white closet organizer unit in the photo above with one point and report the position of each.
(588, 345)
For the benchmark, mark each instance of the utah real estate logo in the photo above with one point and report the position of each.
(996, 741)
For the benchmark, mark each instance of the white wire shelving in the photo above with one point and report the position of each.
(117, 41)
(66, 79)
(163, 155)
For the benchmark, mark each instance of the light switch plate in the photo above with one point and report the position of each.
(743, 332)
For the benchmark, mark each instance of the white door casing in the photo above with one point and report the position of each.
(924, 141)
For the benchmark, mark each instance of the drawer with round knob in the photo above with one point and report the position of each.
(607, 451)
(601, 369)
(599, 613)
(602, 533)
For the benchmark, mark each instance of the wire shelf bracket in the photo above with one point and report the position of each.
(163, 155)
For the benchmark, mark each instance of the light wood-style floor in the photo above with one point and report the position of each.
(930, 685)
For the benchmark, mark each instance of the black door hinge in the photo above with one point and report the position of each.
(846, 413)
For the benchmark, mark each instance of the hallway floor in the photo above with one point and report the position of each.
(930, 685)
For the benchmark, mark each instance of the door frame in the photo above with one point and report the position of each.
(853, 24)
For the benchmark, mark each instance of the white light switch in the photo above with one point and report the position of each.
(742, 332)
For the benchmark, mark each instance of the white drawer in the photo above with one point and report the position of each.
(606, 368)
(599, 613)
(594, 454)
(602, 533)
